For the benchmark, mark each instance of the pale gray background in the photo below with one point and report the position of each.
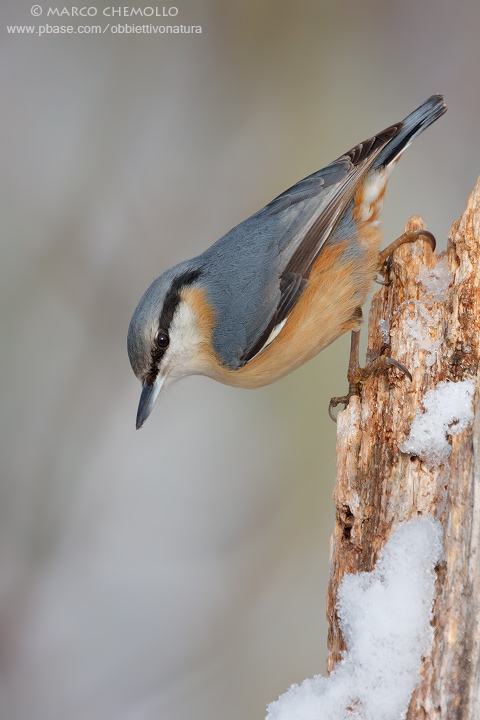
(180, 572)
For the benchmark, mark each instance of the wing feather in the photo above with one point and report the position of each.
(337, 184)
(260, 268)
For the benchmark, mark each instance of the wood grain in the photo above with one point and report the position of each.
(378, 486)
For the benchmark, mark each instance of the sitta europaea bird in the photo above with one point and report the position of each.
(280, 286)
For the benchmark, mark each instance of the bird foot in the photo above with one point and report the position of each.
(385, 256)
(357, 375)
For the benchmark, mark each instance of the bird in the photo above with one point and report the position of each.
(281, 285)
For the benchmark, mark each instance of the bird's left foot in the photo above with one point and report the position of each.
(385, 256)
(357, 375)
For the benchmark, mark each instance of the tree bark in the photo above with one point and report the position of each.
(379, 486)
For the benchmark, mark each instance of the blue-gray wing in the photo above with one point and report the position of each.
(260, 269)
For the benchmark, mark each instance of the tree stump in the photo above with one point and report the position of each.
(429, 318)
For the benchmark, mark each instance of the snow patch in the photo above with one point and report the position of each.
(437, 280)
(418, 330)
(385, 619)
(384, 327)
(448, 410)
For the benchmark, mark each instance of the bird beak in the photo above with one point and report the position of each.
(148, 398)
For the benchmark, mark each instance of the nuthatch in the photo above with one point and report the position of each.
(280, 286)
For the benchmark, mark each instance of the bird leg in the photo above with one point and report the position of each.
(385, 256)
(357, 375)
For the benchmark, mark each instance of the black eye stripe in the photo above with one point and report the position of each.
(159, 347)
(172, 298)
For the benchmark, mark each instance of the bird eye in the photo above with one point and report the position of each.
(162, 339)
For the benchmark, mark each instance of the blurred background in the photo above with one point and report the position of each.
(180, 572)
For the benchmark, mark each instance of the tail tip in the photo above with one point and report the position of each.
(437, 100)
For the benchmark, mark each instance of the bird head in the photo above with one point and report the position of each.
(167, 333)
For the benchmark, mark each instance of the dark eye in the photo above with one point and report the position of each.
(162, 339)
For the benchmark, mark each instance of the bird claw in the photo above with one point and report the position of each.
(399, 366)
(357, 375)
(384, 257)
(428, 236)
(334, 401)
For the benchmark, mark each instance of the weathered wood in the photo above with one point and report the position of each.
(379, 486)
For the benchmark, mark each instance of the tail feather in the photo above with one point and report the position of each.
(413, 125)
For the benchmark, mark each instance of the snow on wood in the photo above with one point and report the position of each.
(389, 472)
(385, 616)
